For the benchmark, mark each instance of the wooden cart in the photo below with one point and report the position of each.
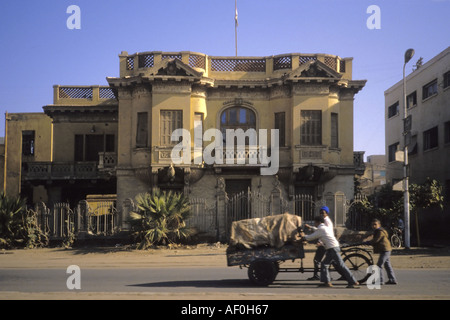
(264, 263)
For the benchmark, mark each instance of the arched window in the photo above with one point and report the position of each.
(237, 117)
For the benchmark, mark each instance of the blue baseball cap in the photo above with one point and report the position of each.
(326, 209)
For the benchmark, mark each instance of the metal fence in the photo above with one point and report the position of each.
(60, 221)
(203, 216)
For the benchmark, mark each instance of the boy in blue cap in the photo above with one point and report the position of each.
(332, 254)
(320, 252)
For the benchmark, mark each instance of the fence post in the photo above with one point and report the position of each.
(43, 214)
(127, 207)
(82, 218)
(221, 210)
(275, 197)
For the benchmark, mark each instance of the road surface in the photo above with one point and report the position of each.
(205, 283)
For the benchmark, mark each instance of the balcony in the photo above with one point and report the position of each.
(71, 170)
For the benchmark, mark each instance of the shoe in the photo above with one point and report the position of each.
(391, 282)
(313, 278)
(353, 286)
(326, 285)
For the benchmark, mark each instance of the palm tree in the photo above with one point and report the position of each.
(11, 210)
(160, 218)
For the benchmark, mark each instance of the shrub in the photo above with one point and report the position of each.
(160, 218)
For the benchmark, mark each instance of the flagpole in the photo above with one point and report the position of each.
(235, 25)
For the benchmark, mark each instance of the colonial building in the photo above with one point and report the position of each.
(428, 104)
(118, 139)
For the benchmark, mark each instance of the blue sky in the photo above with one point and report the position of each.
(37, 50)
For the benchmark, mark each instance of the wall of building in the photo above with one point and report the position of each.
(426, 114)
(16, 123)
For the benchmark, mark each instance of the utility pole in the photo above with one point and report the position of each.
(407, 137)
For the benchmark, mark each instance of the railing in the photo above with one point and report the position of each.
(139, 61)
(247, 155)
(60, 170)
(61, 221)
(107, 160)
(70, 170)
(83, 94)
(203, 216)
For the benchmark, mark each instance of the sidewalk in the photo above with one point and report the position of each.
(202, 255)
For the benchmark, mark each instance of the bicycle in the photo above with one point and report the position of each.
(357, 260)
(396, 237)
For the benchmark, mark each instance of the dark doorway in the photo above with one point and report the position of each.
(234, 186)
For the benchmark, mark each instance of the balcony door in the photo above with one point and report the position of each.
(87, 147)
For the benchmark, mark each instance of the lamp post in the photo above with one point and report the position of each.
(406, 132)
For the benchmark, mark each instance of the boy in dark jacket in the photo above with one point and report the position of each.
(382, 245)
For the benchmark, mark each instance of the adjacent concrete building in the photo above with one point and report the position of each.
(428, 103)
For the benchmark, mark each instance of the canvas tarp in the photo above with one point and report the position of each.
(273, 231)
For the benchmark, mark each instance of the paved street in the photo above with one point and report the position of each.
(188, 283)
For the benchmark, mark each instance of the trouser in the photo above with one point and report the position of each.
(320, 252)
(384, 260)
(333, 255)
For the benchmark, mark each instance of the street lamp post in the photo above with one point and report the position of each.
(406, 132)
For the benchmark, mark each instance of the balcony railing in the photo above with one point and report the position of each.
(70, 170)
(60, 170)
(83, 94)
(134, 63)
(107, 160)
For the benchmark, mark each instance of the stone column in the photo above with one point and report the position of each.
(275, 197)
(221, 210)
(127, 207)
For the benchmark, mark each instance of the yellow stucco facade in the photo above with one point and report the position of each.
(38, 127)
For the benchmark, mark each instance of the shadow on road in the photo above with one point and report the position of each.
(231, 283)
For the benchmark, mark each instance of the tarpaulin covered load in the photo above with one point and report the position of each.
(273, 231)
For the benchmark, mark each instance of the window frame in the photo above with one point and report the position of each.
(426, 92)
(142, 130)
(311, 127)
(446, 79)
(395, 105)
(413, 96)
(447, 132)
(429, 136)
(236, 123)
(28, 143)
(173, 123)
(391, 152)
(280, 124)
(334, 139)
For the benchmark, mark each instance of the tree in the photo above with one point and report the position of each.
(387, 204)
(160, 218)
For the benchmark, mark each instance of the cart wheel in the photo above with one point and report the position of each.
(358, 264)
(396, 241)
(262, 272)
